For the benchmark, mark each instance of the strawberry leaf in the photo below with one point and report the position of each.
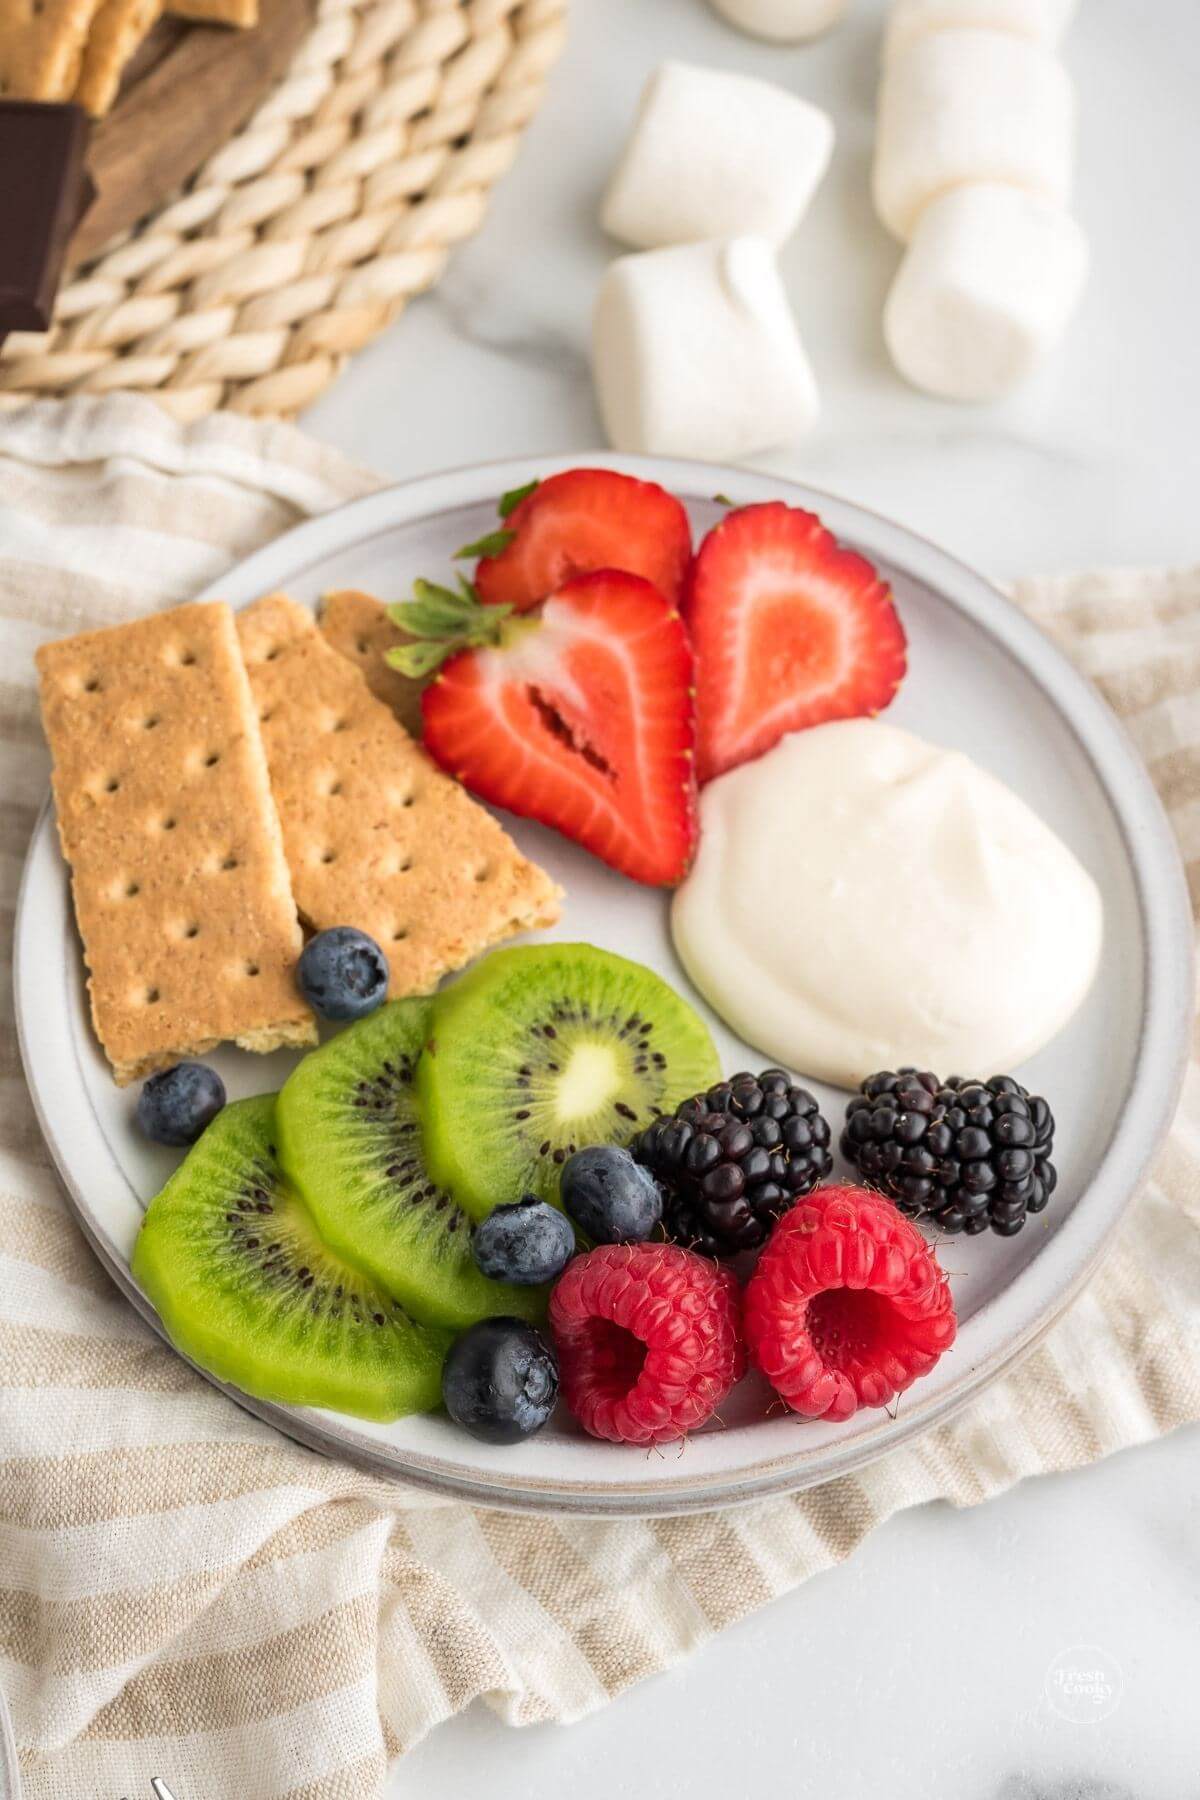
(419, 659)
(440, 622)
(492, 544)
(509, 502)
(434, 611)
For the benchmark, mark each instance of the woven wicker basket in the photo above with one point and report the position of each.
(307, 233)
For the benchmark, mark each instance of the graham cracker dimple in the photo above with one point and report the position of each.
(117, 29)
(376, 835)
(177, 862)
(357, 626)
(41, 47)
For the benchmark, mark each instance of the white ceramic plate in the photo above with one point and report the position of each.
(981, 679)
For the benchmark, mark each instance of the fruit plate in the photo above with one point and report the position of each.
(983, 680)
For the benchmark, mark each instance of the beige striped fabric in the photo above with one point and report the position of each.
(182, 1592)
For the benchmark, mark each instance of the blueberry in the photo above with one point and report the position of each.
(500, 1381)
(526, 1243)
(610, 1196)
(343, 974)
(175, 1106)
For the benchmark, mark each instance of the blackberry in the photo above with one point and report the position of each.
(732, 1160)
(966, 1154)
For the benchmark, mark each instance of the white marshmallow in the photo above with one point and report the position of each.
(696, 353)
(782, 21)
(970, 106)
(712, 154)
(1042, 21)
(985, 290)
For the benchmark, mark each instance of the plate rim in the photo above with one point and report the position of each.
(1163, 1049)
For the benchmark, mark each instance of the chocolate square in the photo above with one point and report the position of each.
(44, 192)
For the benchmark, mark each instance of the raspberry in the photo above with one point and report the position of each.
(847, 1306)
(648, 1340)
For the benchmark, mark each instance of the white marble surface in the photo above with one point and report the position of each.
(918, 1670)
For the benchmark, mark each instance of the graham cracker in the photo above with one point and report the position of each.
(117, 30)
(357, 626)
(242, 13)
(376, 835)
(177, 862)
(41, 47)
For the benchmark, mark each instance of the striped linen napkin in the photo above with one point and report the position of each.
(183, 1592)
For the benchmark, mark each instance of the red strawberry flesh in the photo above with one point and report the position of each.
(581, 719)
(585, 520)
(790, 630)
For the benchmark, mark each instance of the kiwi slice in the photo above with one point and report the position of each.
(246, 1288)
(350, 1143)
(543, 1049)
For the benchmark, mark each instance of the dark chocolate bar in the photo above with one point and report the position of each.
(44, 192)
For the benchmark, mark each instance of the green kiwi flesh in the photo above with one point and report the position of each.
(245, 1287)
(350, 1142)
(542, 1049)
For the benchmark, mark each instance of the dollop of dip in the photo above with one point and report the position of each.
(863, 900)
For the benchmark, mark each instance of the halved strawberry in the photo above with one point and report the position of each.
(574, 523)
(579, 715)
(789, 630)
